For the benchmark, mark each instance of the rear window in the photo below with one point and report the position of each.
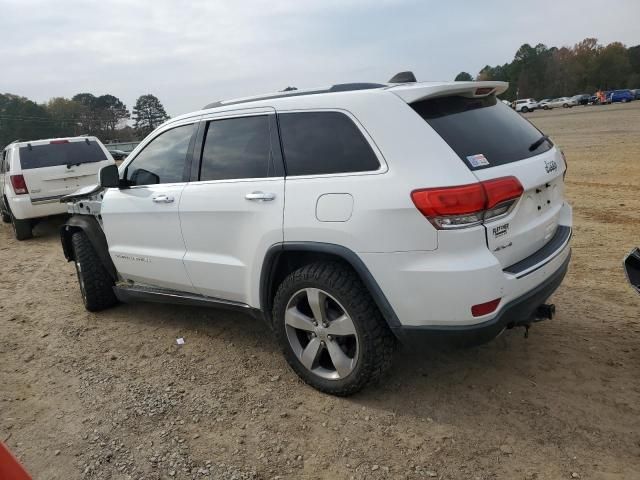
(53, 154)
(482, 131)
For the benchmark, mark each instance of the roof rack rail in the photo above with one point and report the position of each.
(340, 87)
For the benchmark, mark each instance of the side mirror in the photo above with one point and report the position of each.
(109, 177)
(632, 268)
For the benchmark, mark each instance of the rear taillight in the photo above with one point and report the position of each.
(502, 194)
(467, 205)
(19, 185)
(484, 91)
(566, 165)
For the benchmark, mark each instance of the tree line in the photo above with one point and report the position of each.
(104, 116)
(542, 72)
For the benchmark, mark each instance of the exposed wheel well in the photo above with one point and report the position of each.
(89, 225)
(281, 260)
(65, 238)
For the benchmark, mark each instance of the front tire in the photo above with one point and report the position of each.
(525, 109)
(96, 286)
(330, 330)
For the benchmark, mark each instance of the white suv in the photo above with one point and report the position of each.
(525, 105)
(346, 217)
(35, 175)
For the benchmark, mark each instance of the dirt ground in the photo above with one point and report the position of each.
(111, 395)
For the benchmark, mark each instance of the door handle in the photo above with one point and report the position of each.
(260, 196)
(163, 199)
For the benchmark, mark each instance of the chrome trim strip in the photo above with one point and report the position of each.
(127, 293)
(44, 200)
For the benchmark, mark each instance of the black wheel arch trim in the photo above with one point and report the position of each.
(90, 226)
(349, 256)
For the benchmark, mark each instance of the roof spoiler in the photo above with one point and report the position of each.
(412, 93)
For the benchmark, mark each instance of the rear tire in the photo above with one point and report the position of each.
(96, 286)
(6, 217)
(22, 229)
(348, 346)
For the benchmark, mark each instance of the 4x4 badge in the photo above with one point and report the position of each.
(550, 166)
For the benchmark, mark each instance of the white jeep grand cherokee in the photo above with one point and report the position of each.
(346, 217)
(34, 176)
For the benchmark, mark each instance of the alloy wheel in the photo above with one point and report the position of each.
(321, 334)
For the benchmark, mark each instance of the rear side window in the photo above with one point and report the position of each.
(481, 126)
(237, 148)
(54, 154)
(323, 143)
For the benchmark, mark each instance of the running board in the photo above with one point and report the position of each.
(137, 293)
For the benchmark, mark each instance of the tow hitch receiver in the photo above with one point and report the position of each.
(544, 312)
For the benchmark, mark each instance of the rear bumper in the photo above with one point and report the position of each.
(23, 207)
(520, 311)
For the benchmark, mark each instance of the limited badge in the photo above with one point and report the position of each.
(478, 160)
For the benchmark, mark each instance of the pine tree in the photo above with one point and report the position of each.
(148, 114)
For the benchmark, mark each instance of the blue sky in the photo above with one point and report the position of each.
(192, 53)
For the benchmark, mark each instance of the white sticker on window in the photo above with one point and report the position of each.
(478, 160)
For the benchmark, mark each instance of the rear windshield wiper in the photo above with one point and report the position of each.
(537, 143)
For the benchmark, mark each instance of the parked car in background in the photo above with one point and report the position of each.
(636, 93)
(582, 99)
(564, 102)
(507, 103)
(632, 268)
(544, 104)
(525, 105)
(622, 96)
(118, 154)
(35, 175)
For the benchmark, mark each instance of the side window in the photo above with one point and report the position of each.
(324, 142)
(3, 161)
(163, 159)
(237, 148)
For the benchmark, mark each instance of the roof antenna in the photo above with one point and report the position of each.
(403, 77)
